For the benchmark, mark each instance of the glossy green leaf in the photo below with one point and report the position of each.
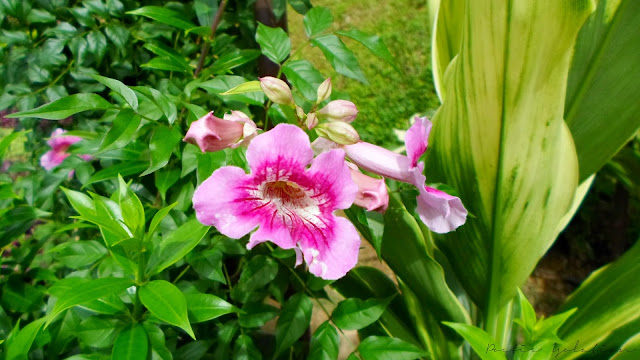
(607, 301)
(249, 86)
(258, 272)
(503, 144)
(355, 314)
(157, 341)
(448, 26)
(603, 84)
(168, 53)
(244, 349)
(98, 332)
(40, 16)
(629, 350)
(166, 302)
(21, 343)
(479, 340)
(65, 107)
(176, 245)
(372, 42)
(208, 264)
(118, 35)
(294, 320)
(205, 307)
(386, 348)
(122, 131)
(163, 103)
(79, 254)
(317, 20)
(164, 16)
(8, 140)
(325, 343)
(165, 178)
(132, 209)
(274, 42)
(158, 217)
(162, 63)
(131, 344)
(256, 315)
(205, 11)
(117, 86)
(339, 56)
(304, 77)
(96, 44)
(221, 84)
(80, 202)
(189, 159)
(125, 169)
(233, 59)
(84, 291)
(161, 146)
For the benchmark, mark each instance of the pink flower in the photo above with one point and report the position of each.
(292, 205)
(372, 193)
(59, 144)
(211, 133)
(276, 90)
(440, 211)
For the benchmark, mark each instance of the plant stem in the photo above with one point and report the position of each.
(207, 43)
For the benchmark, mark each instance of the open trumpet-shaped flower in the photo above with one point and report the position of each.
(59, 144)
(291, 205)
(440, 211)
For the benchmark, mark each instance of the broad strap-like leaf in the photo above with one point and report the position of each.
(482, 343)
(499, 139)
(607, 301)
(446, 37)
(602, 107)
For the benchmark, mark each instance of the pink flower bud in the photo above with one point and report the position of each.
(372, 193)
(324, 91)
(59, 144)
(339, 110)
(211, 133)
(276, 90)
(338, 132)
(312, 120)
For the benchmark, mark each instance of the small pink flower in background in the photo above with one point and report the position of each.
(292, 205)
(372, 193)
(339, 110)
(59, 144)
(440, 211)
(211, 133)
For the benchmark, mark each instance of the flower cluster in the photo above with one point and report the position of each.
(291, 194)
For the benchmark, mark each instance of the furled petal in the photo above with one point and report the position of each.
(381, 161)
(218, 201)
(338, 254)
(440, 211)
(285, 144)
(249, 128)
(416, 139)
(339, 110)
(330, 173)
(211, 133)
(372, 193)
(321, 145)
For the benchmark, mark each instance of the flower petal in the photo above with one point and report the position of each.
(274, 231)
(381, 161)
(218, 201)
(372, 193)
(334, 258)
(416, 139)
(440, 211)
(331, 174)
(284, 143)
(52, 158)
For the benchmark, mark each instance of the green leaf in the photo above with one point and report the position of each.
(122, 131)
(294, 320)
(156, 336)
(628, 350)
(355, 314)
(325, 343)
(124, 169)
(132, 209)
(83, 291)
(161, 146)
(317, 20)
(372, 42)
(80, 202)
(8, 140)
(96, 44)
(603, 83)
(527, 315)
(163, 103)
(119, 35)
(221, 84)
(208, 264)
(170, 56)
(205, 11)
(131, 344)
(258, 272)
(98, 332)
(274, 42)
(304, 77)
(232, 60)
(606, 301)
(510, 139)
(189, 159)
(208, 163)
(157, 218)
(40, 16)
(21, 343)
(244, 349)
(79, 254)
(164, 179)
(176, 245)
(480, 341)
(446, 42)
(164, 16)
(256, 315)
(249, 86)
(65, 107)
(205, 307)
(166, 302)
(340, 57)
(383, 348)
(118, 87)
(162, 63)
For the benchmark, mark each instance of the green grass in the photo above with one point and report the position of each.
(392, 97)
